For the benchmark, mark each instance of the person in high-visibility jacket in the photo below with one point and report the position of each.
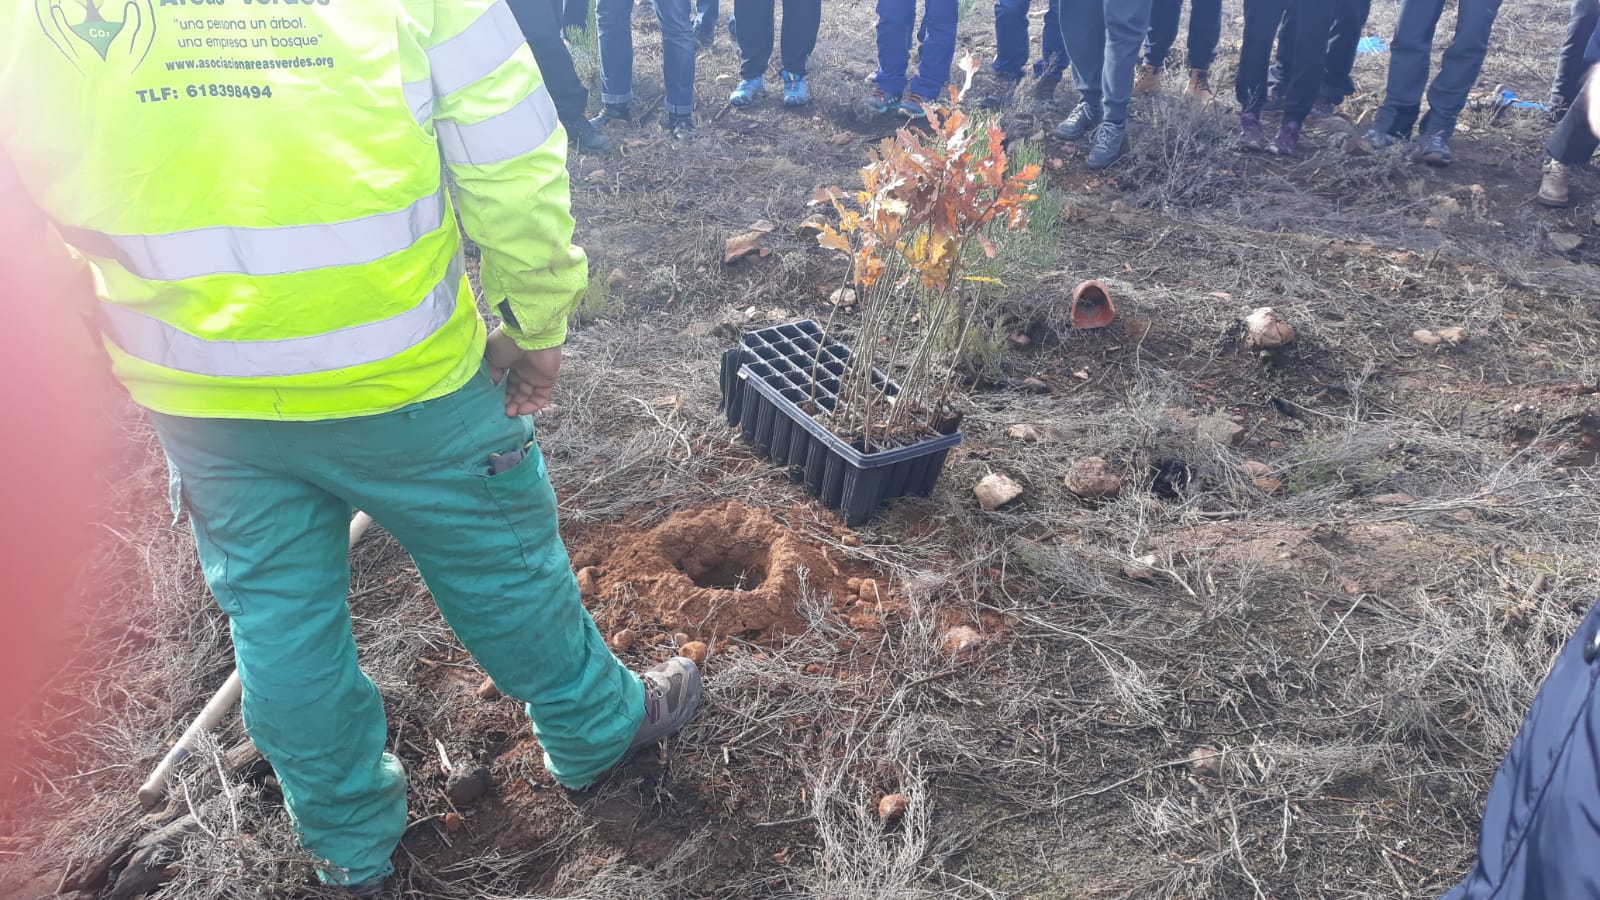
(258, 188)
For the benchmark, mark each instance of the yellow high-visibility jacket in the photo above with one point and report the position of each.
(259, 187)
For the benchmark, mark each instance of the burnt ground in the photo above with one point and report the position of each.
(1347, 642)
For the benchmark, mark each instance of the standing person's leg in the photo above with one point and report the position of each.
(1459, 67)
(1010, 39)
(614, 21)
(1349, 20)
(1053, 62)
(274, 549)
(1278, 76)
(1572, 145)
(1572, 67)
(896, 21)
(755, 48)
(802, 19)
(1158, 41)
(677, 59)
(705, 21)
(1126, 23)
(489, 548)
(1083, 31)
(1205, 32)
(575, 14)
(541, 28)
(938, 50)
(1313, 19)
(1410, 54)
(1261, 21)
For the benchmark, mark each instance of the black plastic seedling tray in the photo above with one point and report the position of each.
(767, 383)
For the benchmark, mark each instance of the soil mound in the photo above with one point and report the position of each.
(720, 570)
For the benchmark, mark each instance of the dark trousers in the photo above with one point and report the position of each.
(1313, 19)
(1573, 65)
(540, 21)
(1410, 54)
(801, 20)
(575, 14)
(1574, 142)
(1349, 20)
(1011, 41)
(1205, 30)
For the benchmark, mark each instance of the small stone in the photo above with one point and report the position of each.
(616, 281)
(1081, 374)
(695, 651)
(624, 640)
(1267, 484)
(812, 225)
(996, 490)
(1093, 478)
(465, 788)
(589, 581)
(1455, 335)
(1221, 429)
(1265, 331)
(1255, 468)
(850, 540)
(960, 639)
(740, 246)
(452, 822)
(1034, 386)
(868, 591)
(1024, 433)
(1019, 340)
(1395, 499)
(854, 584)
(488, 690)
(1564, 241)
(1141, 568)
(843, 298)
(764, 226)
(680, 638)
(1426, 338)
(892, 808)
(1205, 762)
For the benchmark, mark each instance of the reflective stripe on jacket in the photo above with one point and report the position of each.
(258, 186)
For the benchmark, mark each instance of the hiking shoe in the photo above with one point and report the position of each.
(1083, 120)
(589, 139)
(1288, 139)
(612, 112)
(795, 90)
(1370, 142)
(1555, 188)
(748, 92)
(1005, 87)
(1251, 137)
(912, 107)
(1434, 149)
(671, 698)
(1146, 80)
(1110, 140)
(681, 125)
(1200, 86)
(1044, 90)
(881, 104)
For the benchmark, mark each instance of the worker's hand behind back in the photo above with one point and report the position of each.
(529, 375)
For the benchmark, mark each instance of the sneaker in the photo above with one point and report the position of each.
(880, 104)
(1200, 86)
(1288, 139)
(1083, 120)
(1555, 188)
(1370, 142)
(671, 698)
(590, 139)
(1044, 90)
(795, 91)
(748, 92)
(1251, 137)
(1146, 80)
(912, 107)
(1434, 149)
(612, 112)
(681, 125)
(1110, 140)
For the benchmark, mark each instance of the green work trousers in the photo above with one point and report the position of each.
(270, 503)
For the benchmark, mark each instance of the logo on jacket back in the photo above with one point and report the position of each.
(86, 30)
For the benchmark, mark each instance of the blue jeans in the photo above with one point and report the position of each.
(1410, 53)
(1011, 40)
(615, 20)
(897, 25)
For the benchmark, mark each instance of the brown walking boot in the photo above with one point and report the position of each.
(1146, 80)
(1200, 86)
(1555, 189)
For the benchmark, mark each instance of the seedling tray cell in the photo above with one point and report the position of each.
(770, 381)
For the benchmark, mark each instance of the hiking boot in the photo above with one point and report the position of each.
(1434, 149)
(795, 90)
(1370, 142)
(912, 107)
(748, 91)
(998, 98)
(1083, 120)
(589, 139)
(1200, 86)
(1146, 80)
(1251, 137)
(1044, 90)
(1288, 139)
(681, 125)
(880, 104)
(1555, 188)
(1110, 140)
(612, 112)
(671, 698)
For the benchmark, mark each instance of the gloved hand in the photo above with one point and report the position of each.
(530, 375)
